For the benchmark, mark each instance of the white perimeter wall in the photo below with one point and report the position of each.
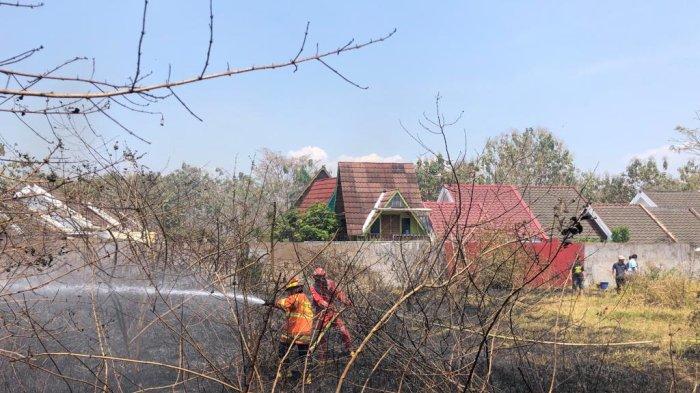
(601, 256)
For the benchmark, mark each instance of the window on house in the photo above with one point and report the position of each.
(397, 202)
(374, 229)
(406, 225)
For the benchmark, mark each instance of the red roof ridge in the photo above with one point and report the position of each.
(318, 191)
(546, 186)
(515, 185)
(482, 206)
(373, 162)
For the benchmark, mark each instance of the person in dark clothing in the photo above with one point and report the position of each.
(577, 275)
(619, 269)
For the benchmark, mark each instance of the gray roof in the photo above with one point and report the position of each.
(555, 205)
(675, 199)
(682, 223)
(643, 228)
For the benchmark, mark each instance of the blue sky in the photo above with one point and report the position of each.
(612, 79)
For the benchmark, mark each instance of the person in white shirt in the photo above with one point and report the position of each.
(632, 265)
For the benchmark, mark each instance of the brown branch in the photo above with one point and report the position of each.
(21, 5)
(123, 127)
(343, 77)
(211, 41)
(123, 90)
(19, 57)
(301, 48)
(138, 56)
(183, 104)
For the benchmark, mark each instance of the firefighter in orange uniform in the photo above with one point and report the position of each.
(297, 329)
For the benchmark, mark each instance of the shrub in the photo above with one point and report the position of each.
(664, 288)
(318, 222)
(620, 235)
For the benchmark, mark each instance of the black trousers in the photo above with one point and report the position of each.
(577, 281)
(296, 356)
(619, 282)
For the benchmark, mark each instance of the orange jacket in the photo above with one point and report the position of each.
(300, 316)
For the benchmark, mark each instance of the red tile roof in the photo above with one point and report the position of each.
(320, 191)
(361, 183)
(490, 207)
(442, 216)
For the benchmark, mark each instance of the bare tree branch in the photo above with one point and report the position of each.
(121, 90)
(138, 56)
(21, 5)
(211, 38)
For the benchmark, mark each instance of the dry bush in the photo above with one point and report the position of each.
(664, 288)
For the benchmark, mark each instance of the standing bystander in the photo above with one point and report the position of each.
(632, 264)
(577, 275)
(619, 269)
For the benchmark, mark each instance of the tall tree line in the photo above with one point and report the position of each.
(538, 157)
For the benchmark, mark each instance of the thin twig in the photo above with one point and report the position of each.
(138, 56)
(211, 40)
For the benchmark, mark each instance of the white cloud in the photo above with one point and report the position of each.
(372, 157)
(313, 152)
(321, 156)
(675, 160)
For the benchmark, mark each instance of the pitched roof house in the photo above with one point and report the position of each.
(469, 210)
(555, 205)
(76, 218)
(668, 199)
(642, 225)
(371, 200)
(379, 200)
(678, 212)
(321, 189)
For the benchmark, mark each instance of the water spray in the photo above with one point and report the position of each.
(55, 287)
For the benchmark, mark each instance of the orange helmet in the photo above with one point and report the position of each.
(293, 283)
(319, 272)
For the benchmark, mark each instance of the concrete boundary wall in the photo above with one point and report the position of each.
(382, 257)
(601, 256)
(387, 258)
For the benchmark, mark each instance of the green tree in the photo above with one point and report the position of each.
(606, 188)
(639, 174)
(288, 226)
(620, 235)
(689, 175)
(317, 223)
(647, 175)
(534, 156)
(432, 174)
